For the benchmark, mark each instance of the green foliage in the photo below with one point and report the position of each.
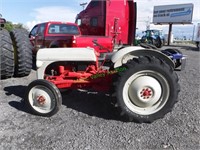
(10, 26)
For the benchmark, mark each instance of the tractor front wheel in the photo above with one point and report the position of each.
(43, 98)
(147, 90)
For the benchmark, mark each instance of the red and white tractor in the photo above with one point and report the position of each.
(143, 81)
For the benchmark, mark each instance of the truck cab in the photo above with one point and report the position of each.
(53, 34)
(102, 19)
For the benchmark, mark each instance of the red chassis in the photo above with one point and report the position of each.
(93, 77)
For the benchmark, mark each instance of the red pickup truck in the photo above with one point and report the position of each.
(63, 34)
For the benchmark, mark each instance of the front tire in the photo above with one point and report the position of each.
(147, 90)
(43, 98)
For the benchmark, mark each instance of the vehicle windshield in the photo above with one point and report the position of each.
(157, 32)
(153, 32)
(63, 29)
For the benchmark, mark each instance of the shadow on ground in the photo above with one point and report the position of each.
(18, 91)
(91, 103)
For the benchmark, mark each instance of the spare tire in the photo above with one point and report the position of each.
(22, 51)
(6, 55)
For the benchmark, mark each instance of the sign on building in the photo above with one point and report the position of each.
(176, 14)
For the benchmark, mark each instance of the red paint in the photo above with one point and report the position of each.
(146, 93)
(111, 18)
(41, 100)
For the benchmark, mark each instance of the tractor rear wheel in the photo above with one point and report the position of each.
(43, 98)
(23, 52)
(6, 55)
(147, 90)
(158, 42)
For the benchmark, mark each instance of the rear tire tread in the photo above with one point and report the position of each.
(134, 64)
(6, 55)
(23, 52)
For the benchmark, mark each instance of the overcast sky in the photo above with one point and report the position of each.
(30, 12)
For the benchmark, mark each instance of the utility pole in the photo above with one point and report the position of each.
(148, 23)
(83, 5)
(193, 32)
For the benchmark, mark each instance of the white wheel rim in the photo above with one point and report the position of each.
(146, 92)
(40, 99)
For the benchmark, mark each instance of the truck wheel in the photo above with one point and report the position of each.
(147, 90)
(23, 52)
(43, 98)
(6, 55)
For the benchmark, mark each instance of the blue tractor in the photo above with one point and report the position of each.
(153, 37)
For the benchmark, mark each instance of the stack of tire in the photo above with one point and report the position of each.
(15, 53)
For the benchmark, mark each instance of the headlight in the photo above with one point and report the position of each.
(39, 63)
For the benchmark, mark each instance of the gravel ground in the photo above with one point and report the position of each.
(89, 121)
